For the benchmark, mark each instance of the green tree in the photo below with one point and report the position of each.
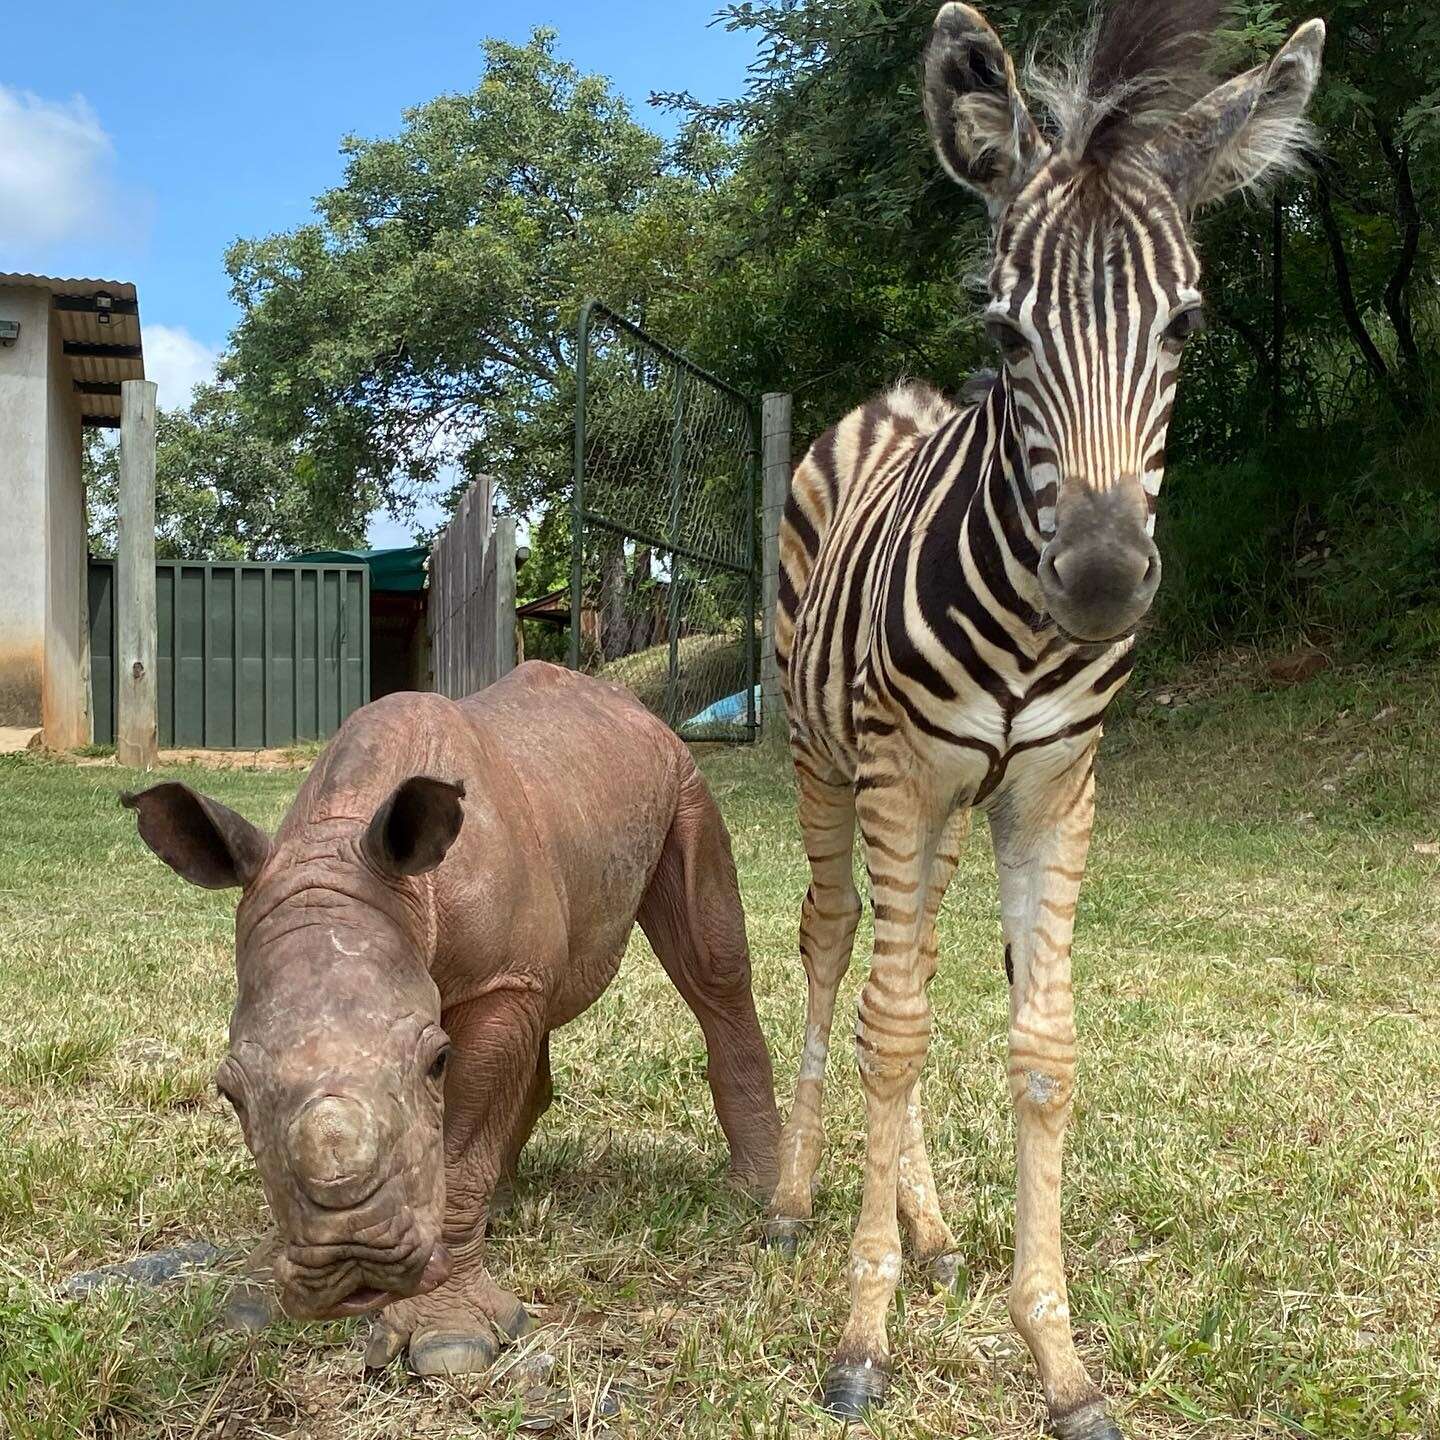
(418, 331)
(224, 490)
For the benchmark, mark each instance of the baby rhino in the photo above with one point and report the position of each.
(453, 882)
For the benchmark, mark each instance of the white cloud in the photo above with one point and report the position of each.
(177, 362)
(54, 169)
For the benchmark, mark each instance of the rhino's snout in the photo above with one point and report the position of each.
(335, 1145)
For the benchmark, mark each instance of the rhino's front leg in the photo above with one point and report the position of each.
(458, 1328)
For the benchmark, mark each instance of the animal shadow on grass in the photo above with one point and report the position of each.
(615, 1187)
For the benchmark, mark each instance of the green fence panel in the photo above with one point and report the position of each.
(102, 650)
(248, 656)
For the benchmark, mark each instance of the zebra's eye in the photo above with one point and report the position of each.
(1183, 326)
(1012, 344)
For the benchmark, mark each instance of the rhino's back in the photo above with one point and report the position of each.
(600, 773)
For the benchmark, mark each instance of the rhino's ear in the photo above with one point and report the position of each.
(414, 828)
(200, 839)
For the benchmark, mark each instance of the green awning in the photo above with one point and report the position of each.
(402, 569)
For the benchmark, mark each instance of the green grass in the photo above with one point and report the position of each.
(1253, 1194)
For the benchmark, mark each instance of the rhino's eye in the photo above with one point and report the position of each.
(438, 1064)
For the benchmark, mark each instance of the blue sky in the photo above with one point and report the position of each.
(141, 149)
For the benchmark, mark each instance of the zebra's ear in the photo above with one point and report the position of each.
(982, 131)
(1246, 129)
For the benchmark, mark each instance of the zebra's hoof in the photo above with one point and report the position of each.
(945, 1271)
(781, 1237)
(848, 1392)
(1090, 1422)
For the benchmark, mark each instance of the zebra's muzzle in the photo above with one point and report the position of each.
(1100, 573)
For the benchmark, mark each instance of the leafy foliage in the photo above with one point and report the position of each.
(225, 490)
(418, 332)
(801, 237)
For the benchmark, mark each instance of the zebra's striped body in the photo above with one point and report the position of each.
(909, 599)
(958, 591)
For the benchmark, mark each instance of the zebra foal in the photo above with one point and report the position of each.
(959, 588)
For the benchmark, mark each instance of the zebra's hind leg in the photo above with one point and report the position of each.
(917, 1199)
(917, 1202)
(827, 936)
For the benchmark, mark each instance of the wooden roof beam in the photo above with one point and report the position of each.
(90, 350)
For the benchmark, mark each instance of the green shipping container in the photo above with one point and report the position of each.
(249, 656)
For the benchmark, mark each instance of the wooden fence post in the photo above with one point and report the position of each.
(775, 486)
(136, 740)
(502, 547)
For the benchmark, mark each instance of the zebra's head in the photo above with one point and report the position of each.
(1094, 287)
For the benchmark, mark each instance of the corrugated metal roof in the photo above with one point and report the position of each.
(59, 285)
(93, 373)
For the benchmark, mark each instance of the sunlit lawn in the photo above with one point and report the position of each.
(1253, 1199)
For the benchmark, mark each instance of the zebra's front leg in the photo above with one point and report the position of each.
(1041, 843)
(891, 1038)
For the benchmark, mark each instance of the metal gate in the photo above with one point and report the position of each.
(664, 573)
(247, 655)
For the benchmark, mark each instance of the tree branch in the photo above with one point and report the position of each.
(1345, 288)
(1397, 301)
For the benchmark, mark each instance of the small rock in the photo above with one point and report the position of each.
(545, 1408)
(1295, 669)
(1165, 698)
(1427, 847)
(249, 1309)
(152, 1270)
(612, 1400)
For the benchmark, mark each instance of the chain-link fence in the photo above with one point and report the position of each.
(663, 589)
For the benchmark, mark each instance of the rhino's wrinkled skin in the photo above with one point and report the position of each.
(453, 882)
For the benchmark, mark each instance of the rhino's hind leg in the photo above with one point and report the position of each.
(693, 918)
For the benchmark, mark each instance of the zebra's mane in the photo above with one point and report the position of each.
(1140, 63)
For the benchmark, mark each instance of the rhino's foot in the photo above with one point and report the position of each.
(755, 1173)
(458, 1329)
(452, 1352)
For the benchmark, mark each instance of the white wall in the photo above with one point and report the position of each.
(24, 439)
(43, 563)
(66, 702)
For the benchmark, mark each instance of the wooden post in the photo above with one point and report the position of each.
(136, 741)
(503, 548)
(775, 486)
